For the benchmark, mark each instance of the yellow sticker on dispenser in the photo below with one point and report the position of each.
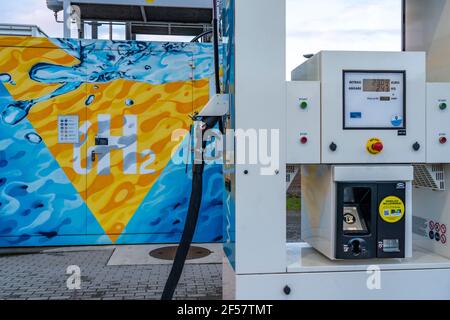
(392, 209)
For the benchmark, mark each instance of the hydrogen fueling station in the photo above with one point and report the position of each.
(88, 156)
(369, 130)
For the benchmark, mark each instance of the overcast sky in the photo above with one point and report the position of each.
(312, 25)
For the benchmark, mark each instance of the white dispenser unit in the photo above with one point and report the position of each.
(361, 127)
(370, 129)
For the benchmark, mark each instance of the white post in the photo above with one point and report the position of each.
(67, 21)
(260, 105)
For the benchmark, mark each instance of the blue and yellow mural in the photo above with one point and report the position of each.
(228, 31)
(133, 95)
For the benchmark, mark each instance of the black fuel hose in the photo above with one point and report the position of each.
(195, 200)
(191, 220)
(216, 57)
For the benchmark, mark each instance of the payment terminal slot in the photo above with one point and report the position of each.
(370, 220)
(356, 221)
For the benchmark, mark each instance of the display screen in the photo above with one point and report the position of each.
(374, 99)
(376, 85)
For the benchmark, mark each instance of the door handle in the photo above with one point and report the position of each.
(93, 156)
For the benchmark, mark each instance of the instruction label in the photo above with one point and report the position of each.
(68, 129)
(392, 209)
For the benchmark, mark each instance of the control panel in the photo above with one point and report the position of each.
(372, 108)
(374, 100)
(438, 123)
(303, 115)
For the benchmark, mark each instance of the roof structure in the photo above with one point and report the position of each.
(149, 17)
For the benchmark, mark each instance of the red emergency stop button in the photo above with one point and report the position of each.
(443, 140)
(304, 140)
(375, 146)
(378, 146)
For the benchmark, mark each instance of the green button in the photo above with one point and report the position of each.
(443, 106)
(304, 105)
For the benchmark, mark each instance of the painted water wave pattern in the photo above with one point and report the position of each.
(51, 193)
(229, 224)
(106, 61)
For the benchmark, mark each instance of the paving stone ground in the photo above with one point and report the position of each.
(43, 276)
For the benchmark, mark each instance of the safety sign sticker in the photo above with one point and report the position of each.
(437, 227)
(438, 232)
(392, 209)
(431, 224)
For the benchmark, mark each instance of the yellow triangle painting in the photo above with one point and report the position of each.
(112, 190)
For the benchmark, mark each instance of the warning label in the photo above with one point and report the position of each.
(438, 231)
(392, 209)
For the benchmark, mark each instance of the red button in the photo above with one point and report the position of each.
(378, 146)
(303, 140)
(443, 140)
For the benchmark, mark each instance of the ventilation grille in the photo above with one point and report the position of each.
(429, 176)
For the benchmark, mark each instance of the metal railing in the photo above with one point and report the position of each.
(7, 29)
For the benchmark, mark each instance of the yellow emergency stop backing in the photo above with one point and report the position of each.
(370, 145)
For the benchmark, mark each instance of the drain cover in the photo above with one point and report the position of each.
(168, 253)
